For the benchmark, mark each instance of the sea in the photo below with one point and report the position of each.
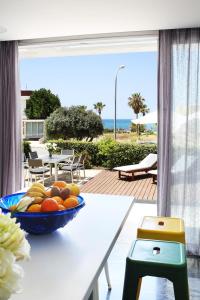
(124, 124)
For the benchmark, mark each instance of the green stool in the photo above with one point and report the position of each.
(160, 259)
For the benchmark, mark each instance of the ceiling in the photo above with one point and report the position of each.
(35, 19)
(89, 45)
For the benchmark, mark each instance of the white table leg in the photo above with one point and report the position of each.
(56, 172)
(95, 293)
(50, 169)
(107, 276)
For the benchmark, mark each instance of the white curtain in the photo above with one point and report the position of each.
(183, 136)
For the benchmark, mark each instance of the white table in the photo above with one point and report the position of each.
(55, 159)
(66, 264)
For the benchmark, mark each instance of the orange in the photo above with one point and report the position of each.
(49, 204)
(74, 188)
(60, 184)
(61, 207)
(71, 202)
(34, 208)
(58, 199)
(48, 193)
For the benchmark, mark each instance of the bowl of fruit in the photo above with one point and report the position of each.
(41, 211)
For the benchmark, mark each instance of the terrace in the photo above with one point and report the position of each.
(107, 182)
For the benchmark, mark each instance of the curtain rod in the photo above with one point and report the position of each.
(89, 37)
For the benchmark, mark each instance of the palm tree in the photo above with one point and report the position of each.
(136, 102)
(144, 110)
(99, 107)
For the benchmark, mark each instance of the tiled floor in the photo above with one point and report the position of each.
(152, 288)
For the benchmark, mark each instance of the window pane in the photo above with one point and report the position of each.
(40, 129)
(34, 129)
(28, 129)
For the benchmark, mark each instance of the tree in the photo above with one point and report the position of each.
(136, 102)
(74, 122)
(144, 110)
(99, 107)
(41, 104)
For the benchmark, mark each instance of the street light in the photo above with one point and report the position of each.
(115, 118)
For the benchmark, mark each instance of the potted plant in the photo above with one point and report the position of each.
(51, 147)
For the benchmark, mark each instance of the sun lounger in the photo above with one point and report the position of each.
(148, 163)
(154, 174)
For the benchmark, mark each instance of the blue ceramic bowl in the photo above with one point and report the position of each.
(40, 223)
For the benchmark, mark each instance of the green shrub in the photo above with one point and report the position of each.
(114, 154)
(107, 130)
(26, 148)
(142, 128)
(108, 153)
(74, 122)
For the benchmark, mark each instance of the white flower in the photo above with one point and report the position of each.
(23, 252)
(10, 274)
(51, 146)
(12, 237)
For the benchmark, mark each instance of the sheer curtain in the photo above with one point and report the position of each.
(179, 130)
(10, 121)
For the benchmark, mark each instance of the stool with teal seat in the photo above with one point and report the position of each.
(163, 229)
(160, 259)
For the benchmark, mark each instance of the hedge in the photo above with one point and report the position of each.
(108, 153)
(114, 154)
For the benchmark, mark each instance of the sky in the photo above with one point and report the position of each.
(85, 80)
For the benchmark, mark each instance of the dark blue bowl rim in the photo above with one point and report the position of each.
(39, 214)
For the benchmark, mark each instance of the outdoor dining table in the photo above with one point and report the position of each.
(55, 160)
(66, 264)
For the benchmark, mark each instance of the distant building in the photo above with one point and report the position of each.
(25, 95)
(31, 129)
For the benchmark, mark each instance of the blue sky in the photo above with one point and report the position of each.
(85, 80)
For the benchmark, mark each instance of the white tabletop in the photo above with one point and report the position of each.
(65, 264)
(55, 158)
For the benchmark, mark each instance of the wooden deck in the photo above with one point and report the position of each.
(107, 182)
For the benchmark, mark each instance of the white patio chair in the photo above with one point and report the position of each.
(37, 168)
(81, 164)
(67, 152)
(72, 168)
(68, 160)
(33, 155)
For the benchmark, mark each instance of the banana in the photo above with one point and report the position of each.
(37, 184)
(35, 194)
(24, 203)
(36, 189)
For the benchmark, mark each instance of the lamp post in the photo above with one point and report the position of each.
(115, 116)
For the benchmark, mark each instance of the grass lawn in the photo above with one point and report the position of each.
(131, 137)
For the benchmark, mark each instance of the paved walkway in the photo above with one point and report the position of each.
(107, 182)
